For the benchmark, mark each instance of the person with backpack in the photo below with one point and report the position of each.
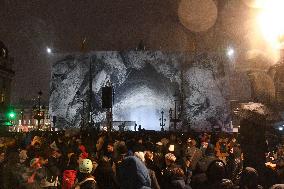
(70, 171)
(85, 178)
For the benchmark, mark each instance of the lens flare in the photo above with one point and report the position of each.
(270, 20)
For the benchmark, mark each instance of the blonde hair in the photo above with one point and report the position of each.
(171, 157)
(140, 155)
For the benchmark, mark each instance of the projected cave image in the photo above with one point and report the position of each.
(144, 83)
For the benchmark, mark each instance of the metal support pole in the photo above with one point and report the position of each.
(90, 92)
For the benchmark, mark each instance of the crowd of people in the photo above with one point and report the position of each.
(132, 160)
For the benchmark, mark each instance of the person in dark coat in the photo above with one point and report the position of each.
(199, 174)
(193, 152)
(249, 179)
(11, 172)
(104, 175)
(178, 180)
(133, 174)
(150, 164)
(154, 182)
(167, 172)
(2, 157)
(217, 176)
(234, 165)
(53, 168)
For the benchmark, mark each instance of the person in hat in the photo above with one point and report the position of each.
(150, 164)
(193, 152)
(85, 178)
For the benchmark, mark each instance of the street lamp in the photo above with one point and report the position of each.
(48, 50)
(162, 121)
(230, 52)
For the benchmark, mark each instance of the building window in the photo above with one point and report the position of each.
(2, 97)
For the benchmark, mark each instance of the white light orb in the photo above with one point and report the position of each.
(48, 50)
(230, 52)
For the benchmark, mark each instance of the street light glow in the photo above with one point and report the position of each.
(48, 50)
(230, 52)
(270, 21)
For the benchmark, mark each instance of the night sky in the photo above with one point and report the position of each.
(27, 27)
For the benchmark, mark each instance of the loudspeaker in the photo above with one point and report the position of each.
(107, 97)
(252, 140)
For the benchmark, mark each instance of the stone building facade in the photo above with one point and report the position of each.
(6, 76)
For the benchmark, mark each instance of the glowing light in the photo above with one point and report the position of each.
(48, 50)
(230, 52)
(270, 21)
(280, 128)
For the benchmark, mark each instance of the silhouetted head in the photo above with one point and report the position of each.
(216, 171)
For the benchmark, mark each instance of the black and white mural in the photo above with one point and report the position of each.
(145, 83)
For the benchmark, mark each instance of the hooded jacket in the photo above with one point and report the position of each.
(133, 174)
(277, 186)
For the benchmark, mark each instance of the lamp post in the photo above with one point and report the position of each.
(83, 109)
(162, 121)
(90, 108)
(22, 117)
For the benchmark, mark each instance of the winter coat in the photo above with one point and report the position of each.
(91, 184)
(195, 155)
(167, 176)
(133, 174)
(178, 183)
(234, 169)
(202, 164)
(277, 186)
(151, 165)
(199, 175)
(154, 181)
(105, 177)
(249, 179)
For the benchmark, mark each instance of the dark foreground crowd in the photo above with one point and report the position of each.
(132, 161)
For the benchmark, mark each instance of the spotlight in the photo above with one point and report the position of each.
(230, 52)
(48, 50)
(280, 128)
